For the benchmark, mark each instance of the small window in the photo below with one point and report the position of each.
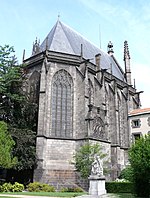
(136, 136)
(136, 123)
(148, 120)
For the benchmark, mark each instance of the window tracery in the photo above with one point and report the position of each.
(62, 106)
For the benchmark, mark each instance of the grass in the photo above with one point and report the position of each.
(62, 194)
(125, 195)
(7, 197)
(47, 194)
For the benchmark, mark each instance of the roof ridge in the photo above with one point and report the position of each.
(43, 44)
(53, 32)
(66, 34)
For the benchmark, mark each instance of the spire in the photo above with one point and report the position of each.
(126, 51)
(36, 47)
(127, 63)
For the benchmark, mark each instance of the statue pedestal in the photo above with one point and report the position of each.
(97, 185)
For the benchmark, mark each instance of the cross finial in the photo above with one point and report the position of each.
(58, 16)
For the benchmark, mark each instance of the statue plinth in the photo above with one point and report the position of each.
(97, 185)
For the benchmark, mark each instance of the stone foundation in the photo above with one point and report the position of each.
(56, 178)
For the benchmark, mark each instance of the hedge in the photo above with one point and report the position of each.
(119, 187)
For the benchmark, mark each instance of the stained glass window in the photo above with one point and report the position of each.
(62, 104)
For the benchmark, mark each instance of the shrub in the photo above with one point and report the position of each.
(17, 187)
(72, 189)
(7, 187)
(78, 189)
(48, 188)
(34, 187)
(119, 187)
(38, 187)
(127, 173)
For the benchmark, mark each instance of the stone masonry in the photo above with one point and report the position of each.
(79, 101)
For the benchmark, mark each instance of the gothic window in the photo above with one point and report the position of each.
(62, 104)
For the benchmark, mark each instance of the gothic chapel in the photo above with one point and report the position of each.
(83, 96)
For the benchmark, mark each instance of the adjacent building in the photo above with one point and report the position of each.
(84, 95)
(139, 122)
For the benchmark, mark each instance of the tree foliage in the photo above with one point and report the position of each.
(16, 109)
(24, 149)
(6, 147)
(127, 173)
(139, 156)
(10, 84)
(84, 158)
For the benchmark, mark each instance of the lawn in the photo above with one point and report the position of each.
(7, 197)
(64, 194)
(47, 194)
(124, 195)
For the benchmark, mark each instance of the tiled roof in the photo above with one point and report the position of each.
(139, 111)
(62, 38)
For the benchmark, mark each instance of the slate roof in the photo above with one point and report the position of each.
(62, 38)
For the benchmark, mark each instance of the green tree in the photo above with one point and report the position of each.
(6, 147)
(139, 156)
(10, 84)
(24, 148)
(127, 173)
(16, 109)
(84, 158)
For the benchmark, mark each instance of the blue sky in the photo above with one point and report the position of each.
(21, 21)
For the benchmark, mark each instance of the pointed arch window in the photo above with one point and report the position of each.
(62, 104)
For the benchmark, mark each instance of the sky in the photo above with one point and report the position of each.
(100, 21)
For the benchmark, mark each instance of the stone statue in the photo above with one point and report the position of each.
(97, 168)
